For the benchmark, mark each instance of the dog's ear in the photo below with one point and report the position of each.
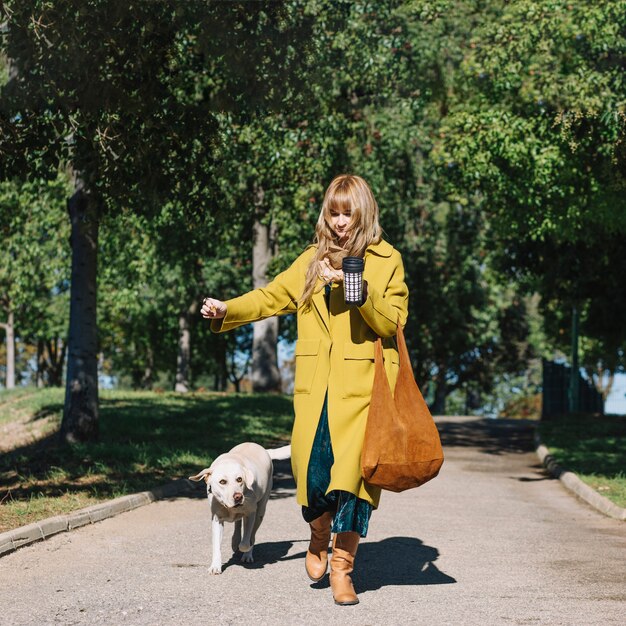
(205, 473)
(249, 476)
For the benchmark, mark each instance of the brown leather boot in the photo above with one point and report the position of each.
(316, 561)
(341, 565)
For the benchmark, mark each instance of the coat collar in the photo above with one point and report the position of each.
(382, 248)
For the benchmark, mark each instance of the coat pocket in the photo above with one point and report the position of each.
(358, 369)
(306, 355)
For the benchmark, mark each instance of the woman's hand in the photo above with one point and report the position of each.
(213, 309)
(328, 274)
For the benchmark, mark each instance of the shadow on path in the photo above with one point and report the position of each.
(398, 561)
(489, 436)
(392, 561)
(284, 485)
(266, 553)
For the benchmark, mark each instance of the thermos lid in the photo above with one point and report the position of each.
(352, 264)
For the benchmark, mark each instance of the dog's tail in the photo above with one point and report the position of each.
(280, 454)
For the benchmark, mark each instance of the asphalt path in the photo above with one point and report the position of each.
(492, 540)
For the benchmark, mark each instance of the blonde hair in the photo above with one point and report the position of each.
(345, 191)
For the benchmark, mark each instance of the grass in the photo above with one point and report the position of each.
(30, 403)
(146, 439)
(592, 446)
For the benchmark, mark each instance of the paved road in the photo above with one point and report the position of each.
(492, 540)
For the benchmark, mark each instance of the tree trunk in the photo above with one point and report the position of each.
(184, 353)
(232, 373)
(9, 329)
(221, 371)
(265, 375)
(441, 393)
(148, 373)
(57, 349)
(80, 414)
(41, 365)
(183, 359)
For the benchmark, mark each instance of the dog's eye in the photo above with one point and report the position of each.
(239, 479)
(223, 481)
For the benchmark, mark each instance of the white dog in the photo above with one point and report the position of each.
(239, 483)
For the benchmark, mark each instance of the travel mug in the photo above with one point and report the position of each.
(352, 267)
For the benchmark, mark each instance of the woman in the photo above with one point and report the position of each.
(334, 368)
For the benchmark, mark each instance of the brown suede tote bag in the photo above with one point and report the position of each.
(401, 448)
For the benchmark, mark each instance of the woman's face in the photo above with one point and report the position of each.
(340, 223)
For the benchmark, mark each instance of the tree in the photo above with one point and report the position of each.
(33, 277)
(127, 95)
(537, 131)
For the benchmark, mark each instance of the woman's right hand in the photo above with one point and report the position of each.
(327, 273)
(213, 309)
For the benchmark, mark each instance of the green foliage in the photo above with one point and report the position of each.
(492, 136)
(129, 94)
(534, 127)
(34, 233)
(464, 328)
(151, 270)
(4, 69)
(34, 259)
(538, 123)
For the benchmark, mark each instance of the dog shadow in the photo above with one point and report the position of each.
(266, 553)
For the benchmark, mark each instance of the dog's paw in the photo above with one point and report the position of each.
(244, 547)
(246, 557)
(215, 568)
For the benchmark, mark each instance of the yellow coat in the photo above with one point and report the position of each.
(333, 352)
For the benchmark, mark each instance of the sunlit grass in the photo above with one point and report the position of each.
(594, 447)
(612, 488)
(31, 403)
(15, 513)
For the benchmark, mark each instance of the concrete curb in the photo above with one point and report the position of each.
(38, 531)
(577, 486)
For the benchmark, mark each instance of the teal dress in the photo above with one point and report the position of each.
(351, 513)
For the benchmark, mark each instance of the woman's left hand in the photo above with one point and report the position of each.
(328, 274)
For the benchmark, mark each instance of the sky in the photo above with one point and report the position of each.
(616, 402)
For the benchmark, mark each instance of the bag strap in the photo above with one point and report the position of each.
(406, 369)
(379, 367)
(403, 351)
